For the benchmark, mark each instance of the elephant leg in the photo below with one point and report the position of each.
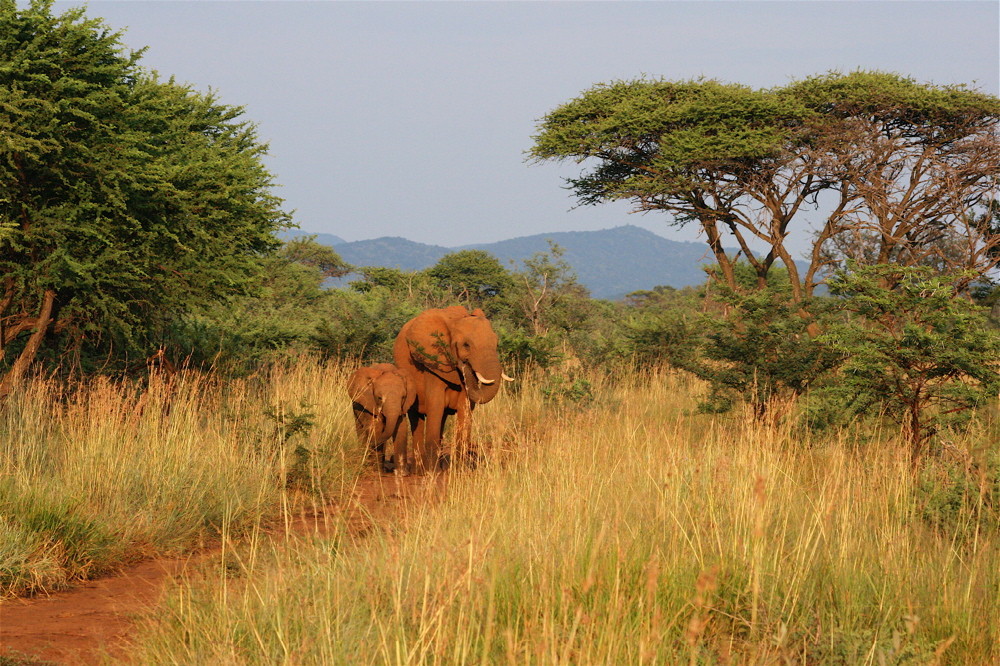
(418, 445)
(433, 426)
(463, 430)
(399, 450)
(381, 458)
(445, 454)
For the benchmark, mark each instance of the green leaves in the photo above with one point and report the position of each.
(910, 167)
(913, 350)
(901, 102)
(652, 127)
(133, 198)
(761, 352)
(472, 275)
(305, 250)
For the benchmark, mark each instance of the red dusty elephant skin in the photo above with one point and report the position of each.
(450, 355)
(381, 397)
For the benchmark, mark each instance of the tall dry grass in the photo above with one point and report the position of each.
(632, 531)
(95, 475)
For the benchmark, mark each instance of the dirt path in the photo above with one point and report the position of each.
(93, 622)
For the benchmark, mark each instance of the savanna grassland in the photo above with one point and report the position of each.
(610, 523)
(814, 480)
(106, 472)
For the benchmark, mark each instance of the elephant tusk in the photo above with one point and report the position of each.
(506, 378)
(483, 380)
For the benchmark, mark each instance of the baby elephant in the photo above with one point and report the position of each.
(382, 396)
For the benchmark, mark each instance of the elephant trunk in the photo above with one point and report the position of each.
(391, 413)
(482, 379)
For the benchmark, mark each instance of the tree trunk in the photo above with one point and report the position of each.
(715, 244)
(17, 371)
(914, 431)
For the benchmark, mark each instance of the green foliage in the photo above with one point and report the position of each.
(289, 311)
(472, 276)
(777, 280)
(987, 295)
(572, 390)
(282, 312)
(653, 138)
(293, 423)
(305, 250)
(760, 352)
(290, 422)
(660, 296)
(914, 350)
(519, 347)
(125, 200)
(900, 646)
(930, 114)
(958, 490)
(661, 335)
(410, 283)
(548, 295)
(662, 324)
(743, 164)
(364, 325)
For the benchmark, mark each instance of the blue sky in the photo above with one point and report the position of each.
(412, 118)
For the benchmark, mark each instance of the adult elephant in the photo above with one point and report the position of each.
(381, 397)
(450, 354)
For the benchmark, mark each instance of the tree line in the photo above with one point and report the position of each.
(136, 216)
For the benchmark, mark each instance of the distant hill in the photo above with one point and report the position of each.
(322, 239)
(610, 262)
(391, 252)
(614, 262)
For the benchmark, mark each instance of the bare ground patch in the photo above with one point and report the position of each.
(94, 622)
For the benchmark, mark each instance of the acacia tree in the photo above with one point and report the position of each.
(917, 169)
(124, 199)
(720, 155)
(872, 151)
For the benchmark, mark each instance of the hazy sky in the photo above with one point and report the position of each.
(412, 118)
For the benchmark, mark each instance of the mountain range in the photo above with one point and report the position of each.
(609, 262)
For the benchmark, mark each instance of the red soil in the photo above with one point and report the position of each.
(94, 622)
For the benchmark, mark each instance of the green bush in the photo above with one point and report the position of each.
(761, 352)
(915, 349)
(957, 493)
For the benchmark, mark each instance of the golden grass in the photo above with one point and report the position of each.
(634, 531)
(96, 475)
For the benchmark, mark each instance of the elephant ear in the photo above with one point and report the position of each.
(478, 312)
(361, 389)
(430, 343)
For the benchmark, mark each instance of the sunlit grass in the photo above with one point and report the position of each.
(96, 475)
(631, 531)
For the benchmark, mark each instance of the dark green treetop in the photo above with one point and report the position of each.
(898, 159)
(323, 258)
(472, 275)
(124, 198)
